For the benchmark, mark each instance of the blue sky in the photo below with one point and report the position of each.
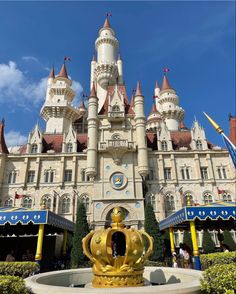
(196, 40)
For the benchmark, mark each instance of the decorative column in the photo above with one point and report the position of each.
(195, 246)
(65, 235)
(172, 243)
(38, 255)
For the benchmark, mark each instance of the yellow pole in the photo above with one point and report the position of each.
(38, 255)
(213, 123)
(195, 245)
(65, 234)
(172, 243)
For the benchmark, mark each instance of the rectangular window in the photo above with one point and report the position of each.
(150, 176)
(167, 173)
(30, 177)
(12, 177)
(68, 175)
(221, 171)
(224, 173)
(204, 173)
(182, 174)
(49, 176)
(185, 174)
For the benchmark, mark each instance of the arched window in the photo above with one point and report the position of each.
(188, 199)
(69, 147)
(116, 108)
(47, 201)
(199, 145)
(85, 200)
(169, 204)
(12, 177)
(27, 202)
(150, 198)
(227, 197)
(65, 204)
(116, 137)
(34, 148)
(8, 202)
(207, 198)
(164, 146)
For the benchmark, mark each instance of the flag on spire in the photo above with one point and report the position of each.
(165, 70)
(109, 14)
(230, 146)
(67, 58)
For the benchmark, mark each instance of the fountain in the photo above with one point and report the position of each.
(118, 255)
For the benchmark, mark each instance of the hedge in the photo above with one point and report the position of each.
(219, 279)
(155, 263)
(211, 259)
(12, 285)
(20, 269)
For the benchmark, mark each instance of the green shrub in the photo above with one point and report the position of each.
(219, 279)
(211, 259)
(228, 240)
(154, 263)
(12, 285)
(207, 243)
(21, 269)
(187, 239)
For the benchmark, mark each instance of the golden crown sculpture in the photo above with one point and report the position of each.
(118, 254)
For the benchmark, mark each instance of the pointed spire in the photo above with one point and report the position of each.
(157, 85)
(63, 72)
(93, 91)
(52, 73)
(165, 84)
(119, 57)
(94, 58)
(154, 107)
(182, 125)
(138, 90)
(106, 23)
(3, 146)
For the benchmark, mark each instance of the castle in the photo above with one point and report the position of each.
(109, 154)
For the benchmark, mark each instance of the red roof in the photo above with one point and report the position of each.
(52, 142)
(52, 73)
(82, 141)
(181, 139)
(152, 141)
(63, 72)
(3, 146)
(106, 23)
(165, 84)
(138, 90)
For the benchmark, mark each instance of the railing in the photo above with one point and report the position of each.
(116, 144)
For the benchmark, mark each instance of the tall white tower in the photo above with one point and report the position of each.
(140, 124)
(107, 70)
(169, 109)
(57, 110)
(91, 170)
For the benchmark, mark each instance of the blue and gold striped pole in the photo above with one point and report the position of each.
(195, 246)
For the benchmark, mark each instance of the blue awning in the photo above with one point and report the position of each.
(24, 216)
(213, 211)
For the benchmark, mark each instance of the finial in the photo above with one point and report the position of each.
(117, 215)
(94, 58)
(138, 90)
(106, 24)
(214, 124)
(165, 84)
(119, 58)
(154, 107)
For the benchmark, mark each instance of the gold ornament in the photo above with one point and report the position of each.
(118, 254)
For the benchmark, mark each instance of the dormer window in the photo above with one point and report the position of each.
(199, 145)
(164, 146)
(115, 108)
(69, 148)
(34, 148)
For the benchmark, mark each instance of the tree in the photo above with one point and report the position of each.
(81, 230)
(152, 228)
(208, 244)
(229, 241)
(187, 240)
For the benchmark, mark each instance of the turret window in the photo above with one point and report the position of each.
(34, 148)
(12, 177)
(164, 146)
(65, 205)
(27, 202)
(207, 198)
(69, 147)
(199, 145)
(8, 202)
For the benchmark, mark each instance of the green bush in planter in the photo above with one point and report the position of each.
(211, 259)
(21, 269)
(228, 240)
(219, 279)
(12, 285)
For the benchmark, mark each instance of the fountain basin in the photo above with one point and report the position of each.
(158, 280)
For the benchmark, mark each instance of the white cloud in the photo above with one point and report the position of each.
(15, 138)
(16, 87)
(30, 58)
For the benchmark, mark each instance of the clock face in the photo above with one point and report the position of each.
(118, 180)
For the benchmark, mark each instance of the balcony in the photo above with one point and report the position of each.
(113, 144)
(116, 115)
